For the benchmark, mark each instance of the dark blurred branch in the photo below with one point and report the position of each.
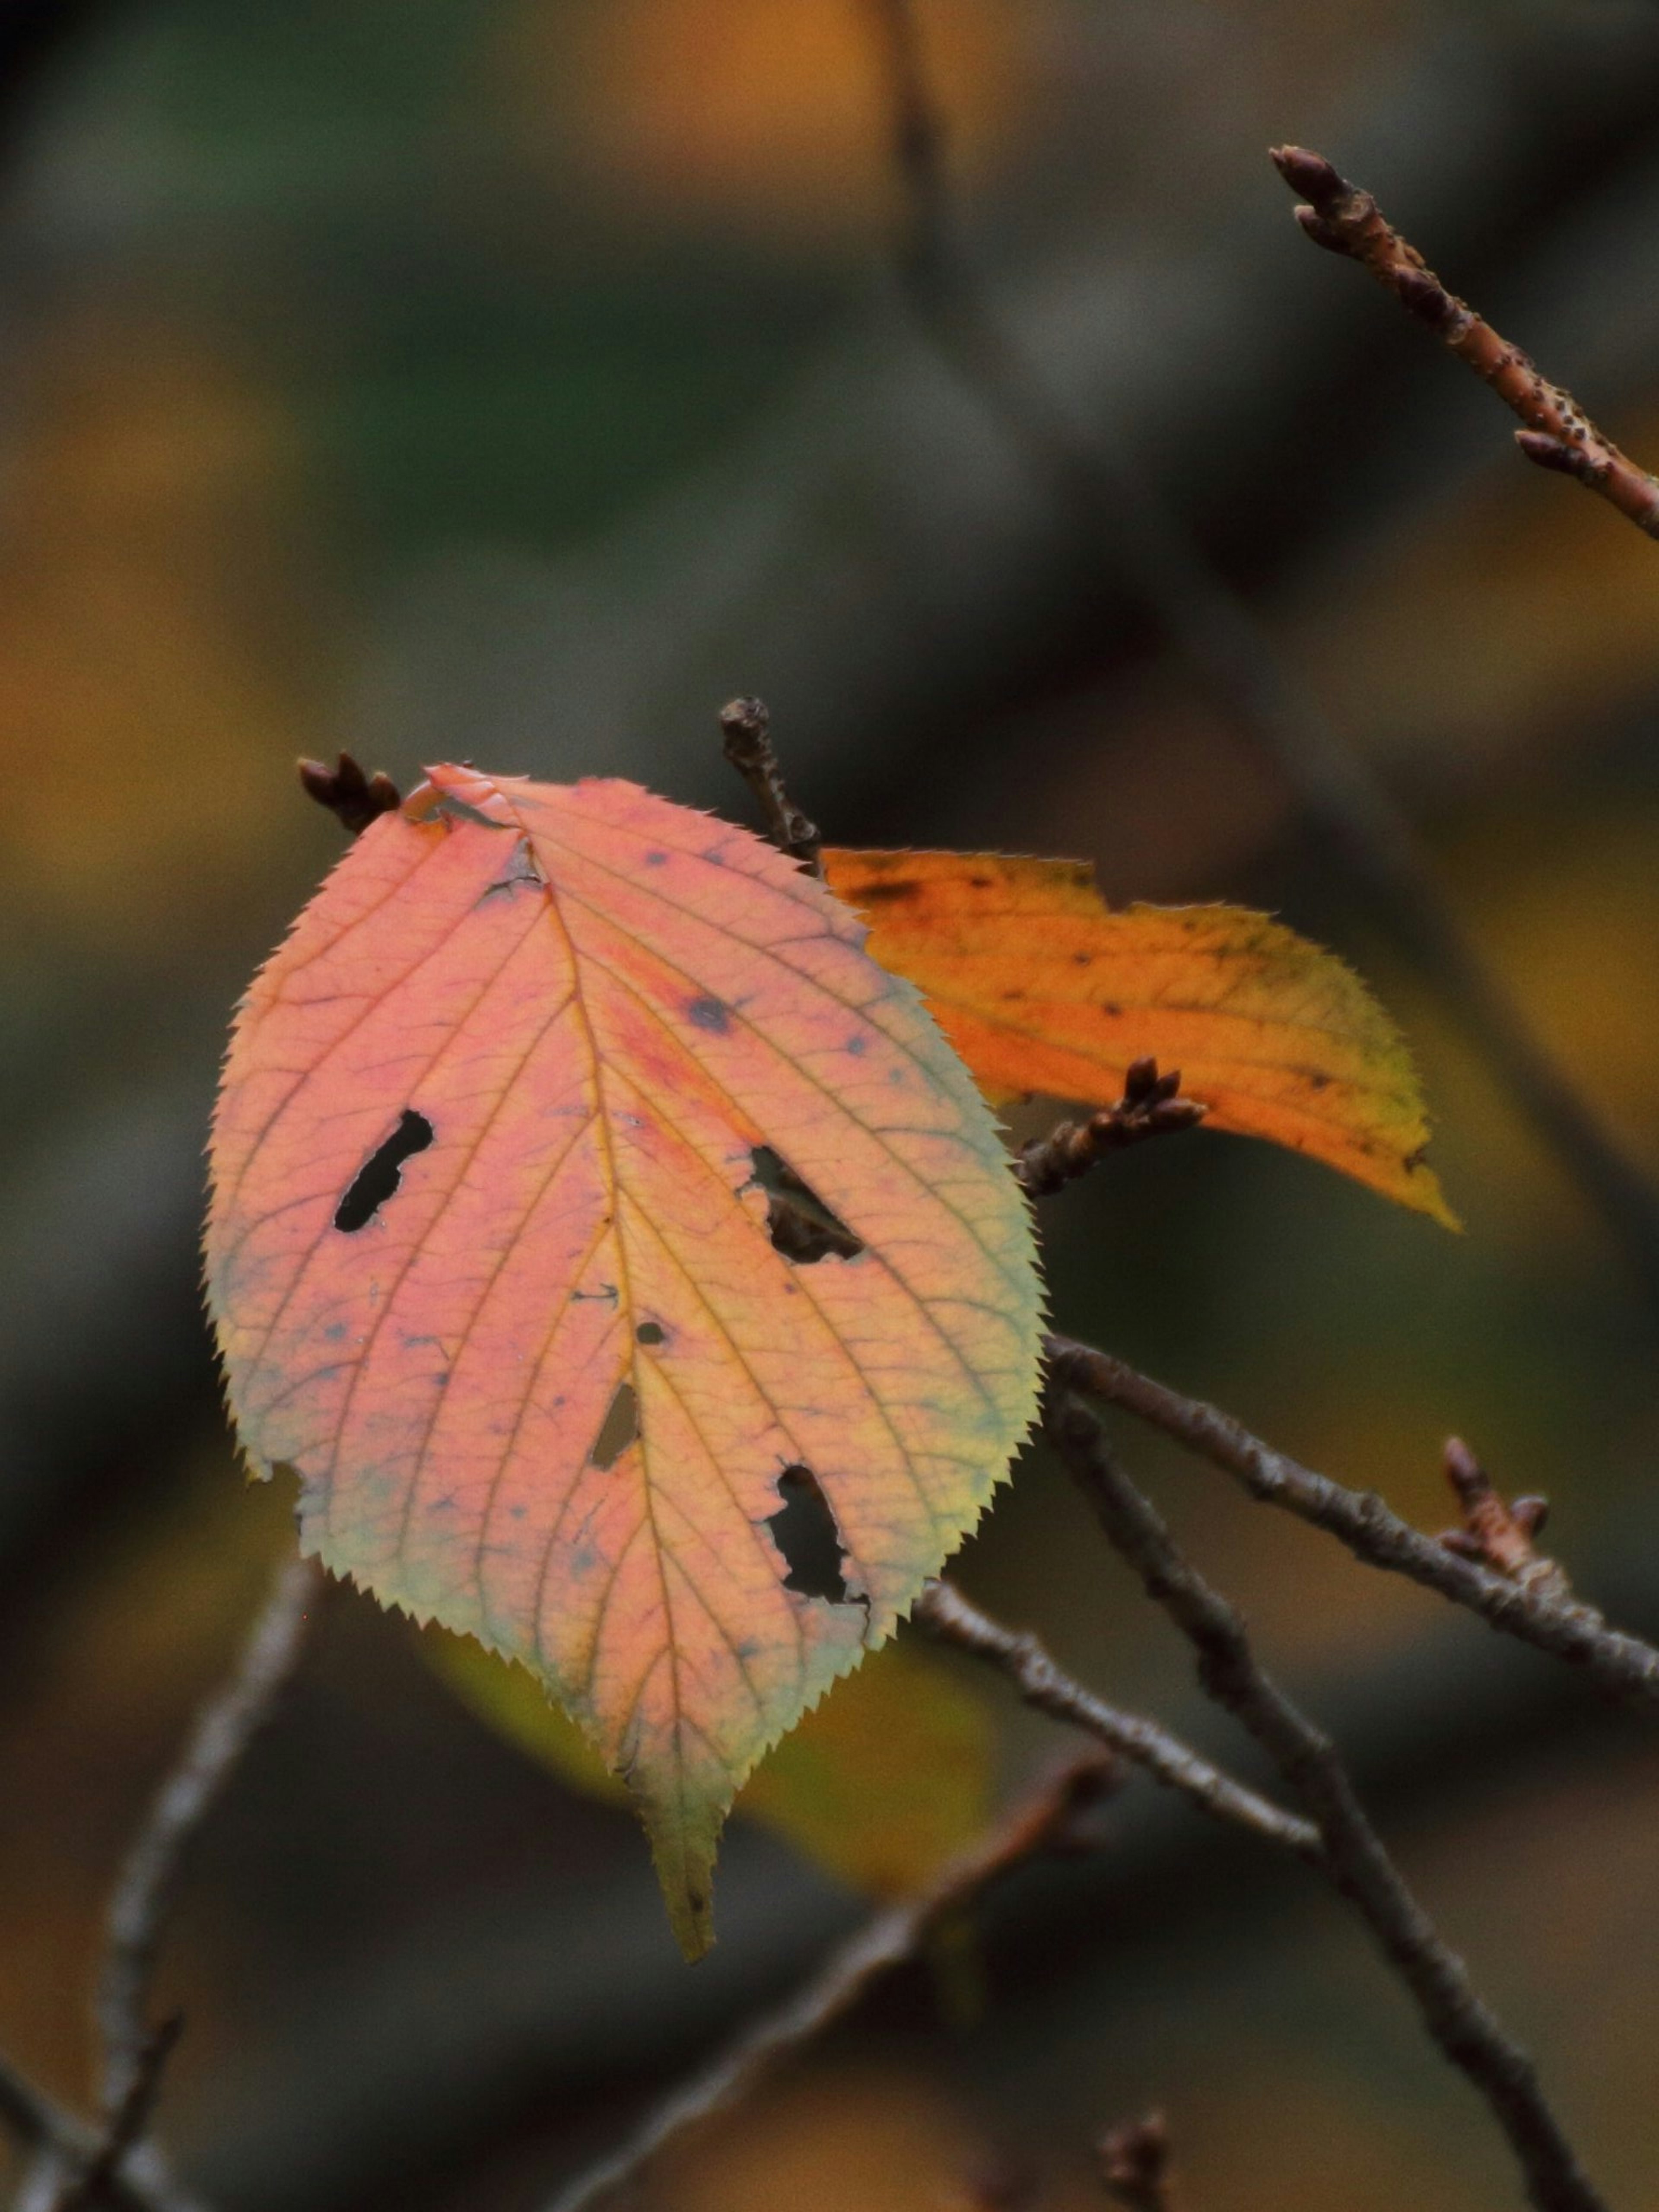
(1462, 2023)
(1159, 563)
(1541, 1613)
(1134, 2165)
(747, 726)
(1558, 435)
(63, 2145)
(1043, 1821)
(1151, 1106)
(128, 2125)
(947, 1614)
(148, 1880)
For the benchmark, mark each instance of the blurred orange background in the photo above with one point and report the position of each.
(517, 380)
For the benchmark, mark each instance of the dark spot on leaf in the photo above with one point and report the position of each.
(899, 887)
(656, 860)
(381, 1172)
(650, 1332)
(980, 883)
(711, 1014)
(858, 1046)
(808, 1540)
(1083, 959)
(1319, 1082)
(801, 1226)
(619, 1429)
(1013, 994)
(1107, 1007)
(334, 1333)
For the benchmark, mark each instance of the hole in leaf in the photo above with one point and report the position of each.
(801, 1226)
(808, 1539)
(650, 1332)
(381, 1172)
(619, 1428)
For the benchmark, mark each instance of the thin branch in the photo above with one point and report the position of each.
(1343, 804)
(1548, 1618)
(1135, 2168)
(1151, 1106)
(947, 1614)
(1462, 2025)
(1558, 435)
(1043, 1821)
(128, 2126)
(63, 2145)
(148, 1880)
(747, 726)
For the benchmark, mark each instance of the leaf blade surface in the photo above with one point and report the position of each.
(1042, 986)
(546, 1389)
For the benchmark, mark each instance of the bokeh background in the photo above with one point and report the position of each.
(518, 380)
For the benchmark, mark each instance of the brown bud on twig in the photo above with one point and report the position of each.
(1497, 1532)
(747, 726)
(1134, 2164)
(1150, 1106)
(1345, 219)
(353, 798)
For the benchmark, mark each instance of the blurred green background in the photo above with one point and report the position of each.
(517, 379)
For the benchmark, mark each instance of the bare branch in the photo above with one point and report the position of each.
(1558, 435)
(63, 2145)
(1134, 2165)
(1042, 1822)
(946, 1613)
(1151, 1106)
(747, 725)
(1342, 804)
(1463, 2026)
(354, 797)
(143, 1894)
(1539, 1614)
(127, 2127)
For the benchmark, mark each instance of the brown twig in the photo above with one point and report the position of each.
(354, 797)
(1135, 2168)
(1151, 1106)
(947, 1614)
(747, 726)
(1465, 2028)
(1342, 804)
(148, 1880)
(1044, 1821)
(1558, 435)
(1539, 1614)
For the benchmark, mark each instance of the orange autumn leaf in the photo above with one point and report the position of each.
(1042, 986)
(625, 1264)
